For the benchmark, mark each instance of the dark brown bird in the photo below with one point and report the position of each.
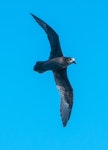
(58, 64)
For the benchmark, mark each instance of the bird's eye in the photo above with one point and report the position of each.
(70, 59)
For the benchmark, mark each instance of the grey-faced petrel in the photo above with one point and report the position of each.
(58, 64)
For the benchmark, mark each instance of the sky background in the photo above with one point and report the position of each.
(29, 102)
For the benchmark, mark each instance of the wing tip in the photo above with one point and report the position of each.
(31, 14)
(64, 122)
(65, 116)
(35, 17)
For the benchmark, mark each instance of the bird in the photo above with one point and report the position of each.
(57, 63)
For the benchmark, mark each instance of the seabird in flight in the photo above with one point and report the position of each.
(58, 64)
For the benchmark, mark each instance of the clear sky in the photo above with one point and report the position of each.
(29, 102)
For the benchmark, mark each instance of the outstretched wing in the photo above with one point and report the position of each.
(53, 38)
(66, 94)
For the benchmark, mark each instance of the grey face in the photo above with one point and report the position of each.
(70, 60)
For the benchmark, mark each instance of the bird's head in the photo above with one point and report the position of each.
(70, 60)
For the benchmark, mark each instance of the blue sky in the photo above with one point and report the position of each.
(29, 102)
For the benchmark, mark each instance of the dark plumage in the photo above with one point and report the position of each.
(58, 64)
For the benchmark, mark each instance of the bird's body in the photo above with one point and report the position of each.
(58, 64)
(54, 64)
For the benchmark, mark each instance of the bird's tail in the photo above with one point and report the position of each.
(40, 67)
